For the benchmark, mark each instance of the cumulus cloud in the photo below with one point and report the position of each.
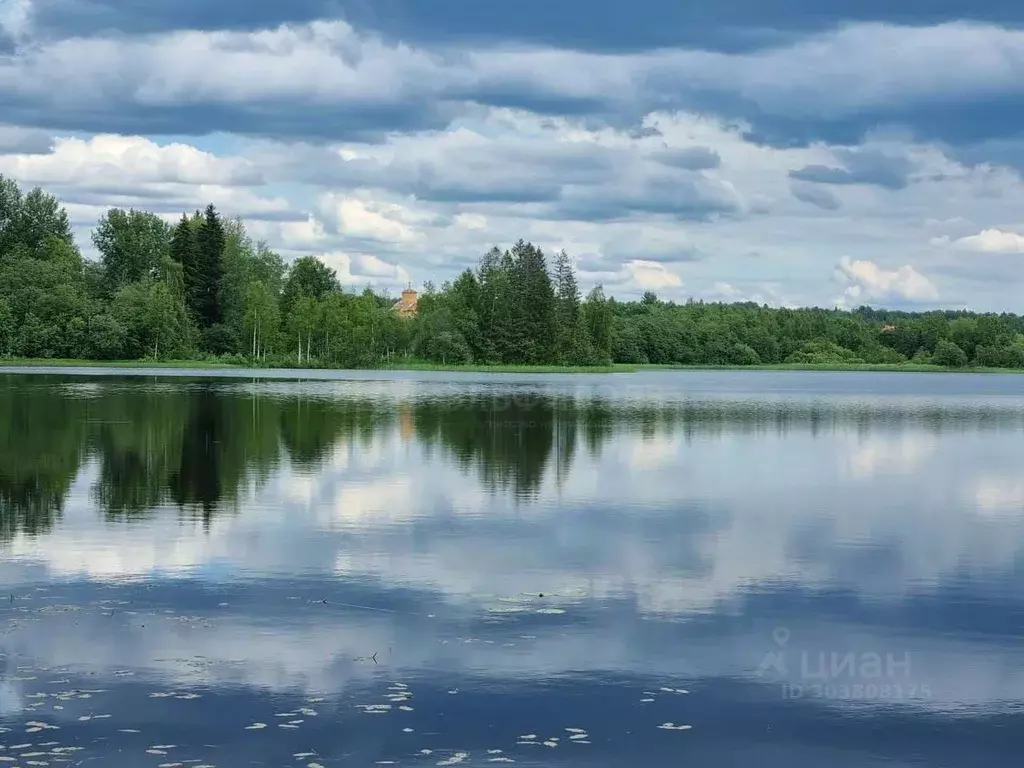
(24, 141)
(817, 196)
(832, 85)
(863, 166)
(761, 293)
(424, 149)
(988, 241)
(689, 158)
(865, 282)
(125, 161)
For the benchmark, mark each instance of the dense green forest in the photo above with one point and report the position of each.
(203, 289)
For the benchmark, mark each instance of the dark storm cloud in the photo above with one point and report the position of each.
(815, 195)
(273, 120)
(330, 84)
(860, 167)
(680, 198)
(594, 25)
(21, 141)
(689, 158)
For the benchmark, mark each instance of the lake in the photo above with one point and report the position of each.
(718, 568)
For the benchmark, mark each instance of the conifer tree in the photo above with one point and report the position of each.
(210, 240)
(567, 309)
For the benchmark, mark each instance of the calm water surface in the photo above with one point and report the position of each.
(680, 568)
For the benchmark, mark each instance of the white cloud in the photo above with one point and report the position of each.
(16, 18)
(650, 275)
(433, 201)
(126, 162)
(865, 281)
(367, 219)
(991, 241)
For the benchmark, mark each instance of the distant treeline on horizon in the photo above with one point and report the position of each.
(202, 289)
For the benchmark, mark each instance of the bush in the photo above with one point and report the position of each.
(880, 354)
(949, 354)
(106, 338)
(742, 354)
(822, 352)
(1010, 356)
(219, 340)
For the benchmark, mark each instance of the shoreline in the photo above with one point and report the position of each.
(31, 364)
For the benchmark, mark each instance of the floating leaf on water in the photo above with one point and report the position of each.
(256, 727)
(575, 730)
(407, 730)
(155, 752)
(500, 760)
(553, 611)
(286, 725)
(646, 701)
(674, 727)
(578, 736)
(128, 730)
(528, 736)
(405, 708)
(550, 743)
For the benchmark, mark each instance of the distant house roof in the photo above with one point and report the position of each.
(887, 328)
(406, 306)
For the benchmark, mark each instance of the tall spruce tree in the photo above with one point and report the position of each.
(567, 309)
(185, 251)
(210, 241)
(534, 306)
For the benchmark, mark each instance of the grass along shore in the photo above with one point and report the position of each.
(413, 365)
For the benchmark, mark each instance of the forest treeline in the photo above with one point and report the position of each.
(202, 288)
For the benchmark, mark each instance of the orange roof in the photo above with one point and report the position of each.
(406, 306)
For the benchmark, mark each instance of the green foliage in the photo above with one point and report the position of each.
(949, 354)
(309, 277)
(210, 242)
(203, 289)
(823, 352)
(133, 245)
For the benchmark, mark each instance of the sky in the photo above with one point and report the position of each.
(741, 150)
